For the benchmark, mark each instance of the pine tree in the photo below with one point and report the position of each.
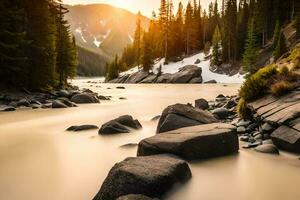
(243, 18)
(137, 40)
(215, 60)
(251, 51)
(280, 47)
(113, 69)
(164, 27)
(297, 12)
(147, 57)
(13, 44)
(188, 28)
(276, 34)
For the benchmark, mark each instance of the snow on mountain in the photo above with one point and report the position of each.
(207, 75)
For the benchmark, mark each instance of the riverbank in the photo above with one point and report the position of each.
(40, 160)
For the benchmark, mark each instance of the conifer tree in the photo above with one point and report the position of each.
(188, 27)
(280, 47)
(276, 34)
(147, 57)
(215, 61)
(297, 12)
(251, 51)
(112, 69)
(137, 40)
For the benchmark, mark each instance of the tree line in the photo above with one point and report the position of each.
(236, 31)
(37, 50)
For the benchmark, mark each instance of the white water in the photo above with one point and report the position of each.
(39, 160)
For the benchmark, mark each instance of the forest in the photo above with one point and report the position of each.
(37, 50)
(235, 31)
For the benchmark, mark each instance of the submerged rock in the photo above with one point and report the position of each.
(84, 98)
(180, 115)
(7, 109)
(201, 104)
(152, 176)
(82, 128)
(121, 124)
(267, 148)
(191, 143)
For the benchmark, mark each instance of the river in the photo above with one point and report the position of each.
(39, 160)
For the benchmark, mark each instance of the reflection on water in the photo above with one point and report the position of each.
(39, 160)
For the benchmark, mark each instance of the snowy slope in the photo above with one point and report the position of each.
(207, 75)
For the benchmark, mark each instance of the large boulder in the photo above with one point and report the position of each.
(180, 115)
(164, 78)
(121, 124)
(84, 98)
(7, 109)
(82, 128)
(150, 79)
(58, 104)
(186, 74)
(201, 104)
(151, 176)
(192, 143)
(137, 77)
(287, 138)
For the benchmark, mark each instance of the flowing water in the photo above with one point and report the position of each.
(39, 160)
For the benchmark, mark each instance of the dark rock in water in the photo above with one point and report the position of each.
(63, 93)
(251, 127)
(120, 125)
(150, 79)
(186, 74)
(129, 145)
(82, 128)
(101, 97)
(156, 118)
(198, 61)
(268, 141)
(267, 128)
(13, 104)
(244, 138)
(164, 78)
(201, 104)
(135, 197)
(267, 148)
(211, 82)
(122, 98)
(7, 109)
(252, 145)
(192, 143)
(47, 105)
(35, 106)
(230, 104)
(196, 80)
(67, 102)
(286, 138)
(58, 104)
(151, 176)
(23, 102)
(121, 87)
(180, 115)
(221, 97)
(84, 98)
(137, 77)
(258, 137)
(222, 113)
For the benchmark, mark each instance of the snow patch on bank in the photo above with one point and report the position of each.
(207, 75)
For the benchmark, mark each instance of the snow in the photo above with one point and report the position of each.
(96, 42)
(207, 75)
(130, 37)
(79, 31)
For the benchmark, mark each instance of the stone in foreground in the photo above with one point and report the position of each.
(84, 98)
(135, 197)
(287, 138)
(181, 115)
(121, 124)
(267, 148)
(193, 143)
(151, 176)
(82, 128)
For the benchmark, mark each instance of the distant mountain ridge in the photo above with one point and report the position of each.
(103, 28)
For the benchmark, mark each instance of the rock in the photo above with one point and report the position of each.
(101, 97)
(258, 137)
(211, 82)
(129, 145)
(164, 78)
(137, 176)
(135, 197)
(67, 102)
(47, 105)
(267, 148)
(150, 79)
(222, 113)
(23, 102)
(201, 104)
(155, 118)
(192, 143)
(84, 98)
(122, 98)
(221, 97)
(241, 129)
(137, 77)
(196, 80)
(35, 106)
(252, 127)
(268, 141)
(252, 145)
(7, 109)
(13, 104)
(266, 127)
(121, 87)
(197, 61)
(186, 74)
(180, 115)
(82, 128)
(243, 123)
(63, 93)
(286, 138)
(230, 104)
(244, 138)
(120, 125)
(58, 104)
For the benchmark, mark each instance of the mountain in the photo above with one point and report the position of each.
(102, 29)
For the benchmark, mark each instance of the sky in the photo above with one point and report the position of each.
(145, 6)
